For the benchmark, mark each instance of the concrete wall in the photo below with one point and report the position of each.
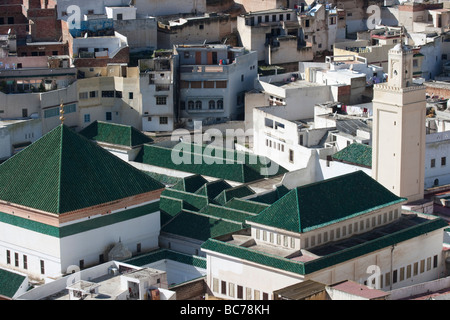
(162, 8)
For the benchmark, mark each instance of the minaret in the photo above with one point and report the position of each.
(398, 141)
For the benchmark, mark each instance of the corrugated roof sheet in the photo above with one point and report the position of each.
(63, 171)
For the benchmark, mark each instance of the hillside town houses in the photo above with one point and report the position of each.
(227, 150)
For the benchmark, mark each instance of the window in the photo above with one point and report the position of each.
(101, 258)
(161, 101)
(257, 295)
(221, 84)
(196, 84)
(388, 279)
(25, 262)
(87, 118)
(108, 94)
(223, 289)
(265, 296)
(433, 163)
(10, 20)
(402, 273)
(212, 104)
(443, 161)
(119, 94)
(416, 268)
(42, 267)
(93, 94)
(291, 155)
(8, 257)
(422, 266)
(248, 293)
(231, 289)
(208, 84)
(240, 292)
(119, 16)
(108, 116)
(408, 272)
(198, 105)
(190, 105)
(83, 95)
(220, 104)
(215, 286)
(394, 276)
(242, 78)
(2, 20)
(201, 27)
(81, 263)
(435, 261)
(16, 259)
(163, 120)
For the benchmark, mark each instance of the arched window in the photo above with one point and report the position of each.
(436, 182)
(198, 105)
(220, 104)
(190, 105)
(212, 104)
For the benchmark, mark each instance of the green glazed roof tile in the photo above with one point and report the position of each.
(63, 171)
(10, 282)
(311, 206)
(356, 153)
(114, 133)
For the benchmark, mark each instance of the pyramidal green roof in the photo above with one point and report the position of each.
(63, 171)
(115, 134)
(312, 206)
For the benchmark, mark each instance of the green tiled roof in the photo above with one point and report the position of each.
(325, 261)
(236, 192)
(356, 153)
(114, 133)
(165, 254)
(214, 188)
(240, 168)
(193, 183)
(272, 196)
(199, 226)
(309, 207)
(196, 201)
(10, 282)
(246, 205)
(227, 213)
(63, 171)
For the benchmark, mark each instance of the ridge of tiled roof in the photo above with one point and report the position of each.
(318, 204)
(64, 171)
(114, 133)
(200, 226)
(356, 153)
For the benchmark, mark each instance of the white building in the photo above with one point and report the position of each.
(213, 80)
(339, 229)
(275, 34)
(66, 216)
(158, 88)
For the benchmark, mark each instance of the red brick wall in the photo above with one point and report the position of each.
(45, 26)
(20, 24)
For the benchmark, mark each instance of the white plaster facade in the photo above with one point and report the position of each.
(48, 256)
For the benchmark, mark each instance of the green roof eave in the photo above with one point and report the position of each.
(341, 256)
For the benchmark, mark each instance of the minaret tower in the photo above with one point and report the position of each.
(398, 142)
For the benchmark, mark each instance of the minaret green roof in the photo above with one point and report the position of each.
(64, 171)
